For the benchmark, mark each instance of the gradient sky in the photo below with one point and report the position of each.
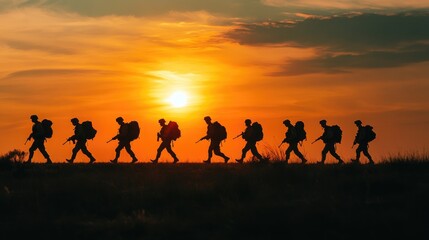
(267, 60)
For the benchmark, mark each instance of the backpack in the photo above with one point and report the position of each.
(257, 133)
(88, 130)
(133, 130)
(172, 132)
(47, 128)
(219, 132)
(301, 135)
(337, 133)
(369, 133)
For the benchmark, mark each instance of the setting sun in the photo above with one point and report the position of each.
(178, 99)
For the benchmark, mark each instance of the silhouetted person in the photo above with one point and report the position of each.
(249, 136)
(363, 141)
(79, 139)
(215, 137)
(37, 134)
(124, 141)
(292, 139)
(165, 144)
(329, 139)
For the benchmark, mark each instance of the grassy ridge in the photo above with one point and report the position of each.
(196, 201)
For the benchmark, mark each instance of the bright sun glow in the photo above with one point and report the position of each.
(178, 99)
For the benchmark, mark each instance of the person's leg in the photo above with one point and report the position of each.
(244, 152)
(255, 152)
(333, 152)
(288, 151)
(170, 151)
(158, 152)
(299, 154)
(130, 152)
(118, 150)
(41, 147)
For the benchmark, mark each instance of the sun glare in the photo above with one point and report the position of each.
(178, 99)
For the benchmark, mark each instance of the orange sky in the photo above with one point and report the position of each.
(64, 61)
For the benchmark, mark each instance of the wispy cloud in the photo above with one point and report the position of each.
(344, 42)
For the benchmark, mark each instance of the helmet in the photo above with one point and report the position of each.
(162, 120)
(248, 121)
(358, 122)
(207, 118)
(34, 117)
(322, 121)
(286, 121)
(119, 119)
(74, 120)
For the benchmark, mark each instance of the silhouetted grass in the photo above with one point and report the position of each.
(12, 157)
(217, 201)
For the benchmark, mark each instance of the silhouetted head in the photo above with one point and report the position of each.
(161, 121)
(34, 118)
(358, 123)
(323, 123)
(286, 122)
(248, 122)
(74, 121)
(120, 120)
(208, 119)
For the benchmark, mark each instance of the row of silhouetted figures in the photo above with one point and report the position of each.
(216, 133)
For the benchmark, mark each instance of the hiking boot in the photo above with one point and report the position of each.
(175, 160)
(69, 160)
(48, 161)
(320, 162)
(340, 162)
(134, 160)
(304, 161)
(207, 161)
(226, 159)
(239, 160)
(92, 160)
(114, 161)
(27, 162)
(371, 162)
(356, 161)
(154, 161)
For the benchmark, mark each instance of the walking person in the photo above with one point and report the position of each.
(166, 140)
(331, 136)
(293, 138)
(364, 135)
(252, 134)
(38, 134)
(124, 140)
(216, 133)
(79, 139)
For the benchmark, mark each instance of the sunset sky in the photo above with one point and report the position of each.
(267, 60)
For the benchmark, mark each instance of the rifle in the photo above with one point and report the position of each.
(69, 139)
(110, 140)
(201, 139)
(281, 144)
(26, 141)
(317, 140)
(241, 134)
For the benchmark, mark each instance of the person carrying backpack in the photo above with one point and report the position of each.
(331, 136)
(252, 134)
(292, 139)
(124, 141)
(39, 136)
(215, 133)
(166, 138)
(79, 138)
(364, 135)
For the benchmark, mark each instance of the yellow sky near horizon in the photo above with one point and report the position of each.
(62, 65)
